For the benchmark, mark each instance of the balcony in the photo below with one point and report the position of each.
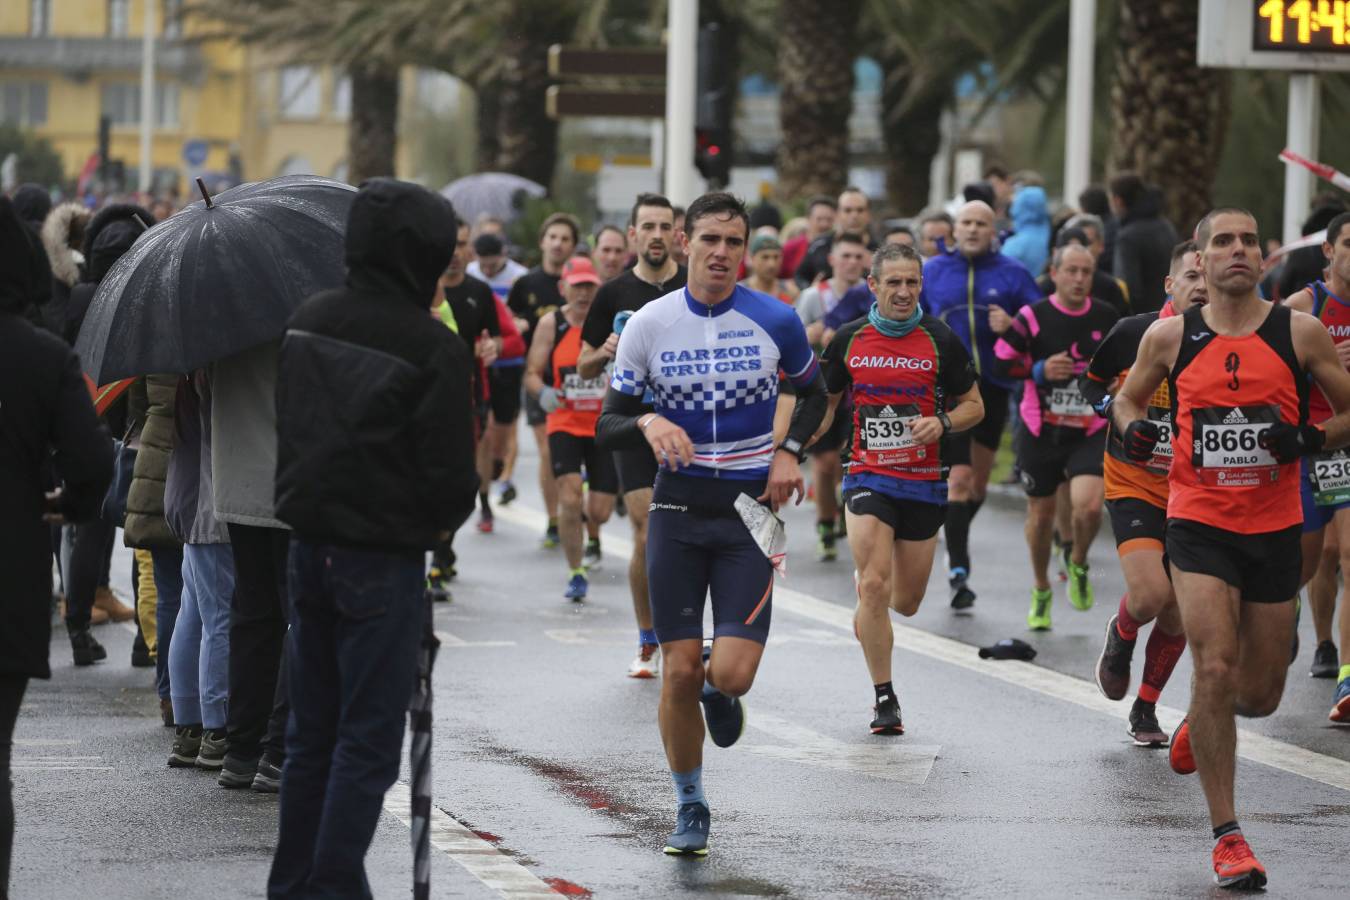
(80, 58)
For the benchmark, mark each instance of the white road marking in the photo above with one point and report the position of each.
(1252, 746)
(36, 742)
(450, 640)
(892, 760)
(478, 857)
(50, 768)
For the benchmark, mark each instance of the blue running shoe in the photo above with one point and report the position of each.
(690, 837)
(577, 586)
(1340, 712)
(725, 717)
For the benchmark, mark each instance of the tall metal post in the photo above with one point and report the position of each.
(1078, 118)
(681, 178)
(147, 93)
(1304, 113)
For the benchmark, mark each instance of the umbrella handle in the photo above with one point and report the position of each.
(201, 186)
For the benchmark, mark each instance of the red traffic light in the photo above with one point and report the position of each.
(713, 150)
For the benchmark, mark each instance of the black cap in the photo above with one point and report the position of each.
(488, 245)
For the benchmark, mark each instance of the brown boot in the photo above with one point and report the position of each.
(107, 601)
(97, 616)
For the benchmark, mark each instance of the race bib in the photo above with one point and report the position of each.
(1226, 446)
(885, 437)
(1330, 476)
(1161, 461)
(1066, 407)
(583, 394)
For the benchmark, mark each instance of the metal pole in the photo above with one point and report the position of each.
(681, 63)
(147, 92)
(1078, 118)
(1302, 139)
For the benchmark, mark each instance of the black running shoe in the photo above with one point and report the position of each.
(887, 720)
(1113, 666)
(963, 597)
(1144, 727)
(1326, 662)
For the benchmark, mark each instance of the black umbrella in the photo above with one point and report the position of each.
(218, 277)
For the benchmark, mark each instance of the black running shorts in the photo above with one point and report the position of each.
(504, 385)
(988, 432)
(1138, 524)
(637, 469)
(910, 520)
(1263, 567)
(1045, 464)
(570, 454)
(838, 434)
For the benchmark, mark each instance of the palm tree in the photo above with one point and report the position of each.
(816, 49)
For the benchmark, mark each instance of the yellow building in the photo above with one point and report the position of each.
(219, 107)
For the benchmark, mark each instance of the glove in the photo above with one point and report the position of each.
(1140, 439)
(1287, 443)
(548, 399)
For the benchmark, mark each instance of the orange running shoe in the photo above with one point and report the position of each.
(1179, 754)
(1235, 866)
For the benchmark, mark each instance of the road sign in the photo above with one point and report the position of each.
(195, 152)
(1302, 35)
(626, 62)
(565, 100)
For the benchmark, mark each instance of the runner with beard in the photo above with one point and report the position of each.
(651, 233)
(1136, 499)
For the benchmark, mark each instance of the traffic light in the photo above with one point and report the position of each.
(715, 101)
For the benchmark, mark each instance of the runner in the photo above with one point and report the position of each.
(533, 296)
(710, 354)
(848, 263)
(1061, 440)
(766, 254)
(651, 231)
(573, 406)
(905, 371)
(1136, 499)
(975, 291)
(1238, 372)
(610, 255)
(1326, 477)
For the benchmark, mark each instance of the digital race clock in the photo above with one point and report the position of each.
(1316, 26)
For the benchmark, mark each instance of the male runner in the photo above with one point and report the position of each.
(1326, 477)
(906, 370)
(853, 216)
(766, 254)
(611, 252)
(1136, 499)
(651, 231)
(848, 263)
(573, 406)
(710, 354)
(975, 291)
(534, 295)
(1238, 370)
(1049, 344)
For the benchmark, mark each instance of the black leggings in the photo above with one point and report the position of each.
(11, 695)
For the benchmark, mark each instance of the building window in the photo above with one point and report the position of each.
(119, 18)
(300, 93)
(23, 103)
(342, 97)
(173, 18)
(39, 17)
(122, 103)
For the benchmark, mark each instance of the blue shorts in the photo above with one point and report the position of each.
(697, 545)
(1315, 517)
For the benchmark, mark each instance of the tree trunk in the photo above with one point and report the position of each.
(528, 137)
(1171, 115)
(911, 131)
(372, 133)
(488, 116)
(816, 48)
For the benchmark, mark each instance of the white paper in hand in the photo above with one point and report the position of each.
(767, 530)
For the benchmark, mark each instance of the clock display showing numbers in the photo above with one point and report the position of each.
(1321, 26)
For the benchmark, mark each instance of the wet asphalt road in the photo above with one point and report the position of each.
(1012, 779)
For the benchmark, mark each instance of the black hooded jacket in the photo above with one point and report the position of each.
(374, 417)
(1143, 253)
(110, 234)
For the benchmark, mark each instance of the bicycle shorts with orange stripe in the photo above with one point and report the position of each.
(697, 546)
(1138, 524)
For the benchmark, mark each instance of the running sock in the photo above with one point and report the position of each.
(959, 515)
(1219, 830)
(483, 501)
(647, 636)
(825, 529)
(975, 507)
(884, 692)
(1127, 626)
(1343, 674)
(553, 523)
(689, 786)
(1160, 658)
(579, 570)
(958, 574)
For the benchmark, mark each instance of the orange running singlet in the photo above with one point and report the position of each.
(1225, 392)
(580, 398)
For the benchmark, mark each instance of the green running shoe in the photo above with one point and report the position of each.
(1080, 589)
(1038, 619)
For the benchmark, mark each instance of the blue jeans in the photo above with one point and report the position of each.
(168, 565)
(199, 655)
(356, 621)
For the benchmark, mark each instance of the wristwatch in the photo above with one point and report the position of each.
(793, 446)
(946, 422)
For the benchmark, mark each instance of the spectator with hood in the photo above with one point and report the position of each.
(1029, 243)
(62, 237)
(31, 204)
(1144, 242)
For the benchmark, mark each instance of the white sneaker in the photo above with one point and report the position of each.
(647, 664)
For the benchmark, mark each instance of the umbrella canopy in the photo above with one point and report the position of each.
(490, 194)
(218, 277)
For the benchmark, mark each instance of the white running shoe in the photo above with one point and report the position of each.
(647, 664)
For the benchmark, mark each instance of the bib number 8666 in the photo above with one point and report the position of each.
(1231, 440)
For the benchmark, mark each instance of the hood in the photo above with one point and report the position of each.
(399, 240)
(25, 278)
(128, 213)
(1149, 207)
(1029, 208)
(62, 236)
(115, 239)
(32, 203)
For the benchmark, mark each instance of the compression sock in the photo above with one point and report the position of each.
(1160, 658)
(959, 514)
(483, 502)
(689, 786)
(1219, 830)
(1127, 626)
(975, 507)
(647, 636)
(884, 692)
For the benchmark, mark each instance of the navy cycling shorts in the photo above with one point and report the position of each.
(698, 546)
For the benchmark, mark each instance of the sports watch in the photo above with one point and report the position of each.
(946, 422)
(793, 446)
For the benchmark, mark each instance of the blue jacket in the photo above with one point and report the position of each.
(959, 291)
(1030, 241)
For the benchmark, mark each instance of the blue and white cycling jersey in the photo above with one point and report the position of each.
(713, 370)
